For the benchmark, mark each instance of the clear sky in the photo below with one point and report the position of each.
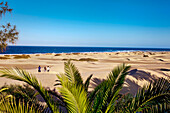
(114, 23)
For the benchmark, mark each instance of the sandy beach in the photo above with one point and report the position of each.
(145, 66)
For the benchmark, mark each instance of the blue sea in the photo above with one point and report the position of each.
(60, 49)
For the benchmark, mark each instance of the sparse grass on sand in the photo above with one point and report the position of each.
(82, 59)
(65, 59)
(21, 56)
(48, 53)
(68, 53)
(4, 58)
(87, 59)
(57, 55)
(75, 53)
(7, 55)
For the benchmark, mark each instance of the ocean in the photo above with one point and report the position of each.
(60, 49)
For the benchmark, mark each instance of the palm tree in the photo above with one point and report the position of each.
(21, 75)
(105, 98)
(74, 76)
(8, 104)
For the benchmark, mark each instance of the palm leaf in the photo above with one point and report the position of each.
(72, 73)
(110, 87)
(74, 96)
(87, 82)
(159, 108)
(2, 97)
(11, 106)
(21, 75)
(155, 93)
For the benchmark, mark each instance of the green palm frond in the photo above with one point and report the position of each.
(100, 100)
(110, 88)
(159, 108)
(155, 93)
(87, 82)
(23, 93)
(112, 105)
(117, 76)
(11, 106)
(74, 96)
(72, 73)
(2, 97)
(3, 89)
(123, 102)
(21, 75)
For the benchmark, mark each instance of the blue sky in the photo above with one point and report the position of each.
(113, 23)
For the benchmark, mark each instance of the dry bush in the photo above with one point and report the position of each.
(70, 59)
(164, 52)
(7, 55)
(88, 59)
(75, 53)
(4, 58)
(14, 55)
(151, 53)
(57, 55)
(145, 55)
(68, 53)
(21, 56)
(37, 55)
(48, 54)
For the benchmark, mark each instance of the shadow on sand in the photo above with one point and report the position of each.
(132, 86)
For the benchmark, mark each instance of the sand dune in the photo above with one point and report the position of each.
(146, 66)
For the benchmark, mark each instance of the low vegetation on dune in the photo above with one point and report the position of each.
(21, 56)
(73, 95)
(57, 55)
(68, 53)
(71, 59)
(81, 59)
(3, 58)
(76, 53)
(87, 59)
(7, 55)
(145, 55)
(37, 55)
(48, 53)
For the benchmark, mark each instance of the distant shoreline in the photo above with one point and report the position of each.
(56, 50)
(146, 52)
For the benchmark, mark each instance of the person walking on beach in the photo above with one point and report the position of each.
(45, 69)
(48, 68)
(39, 68)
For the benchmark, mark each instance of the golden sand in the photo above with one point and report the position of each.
(145, 66)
